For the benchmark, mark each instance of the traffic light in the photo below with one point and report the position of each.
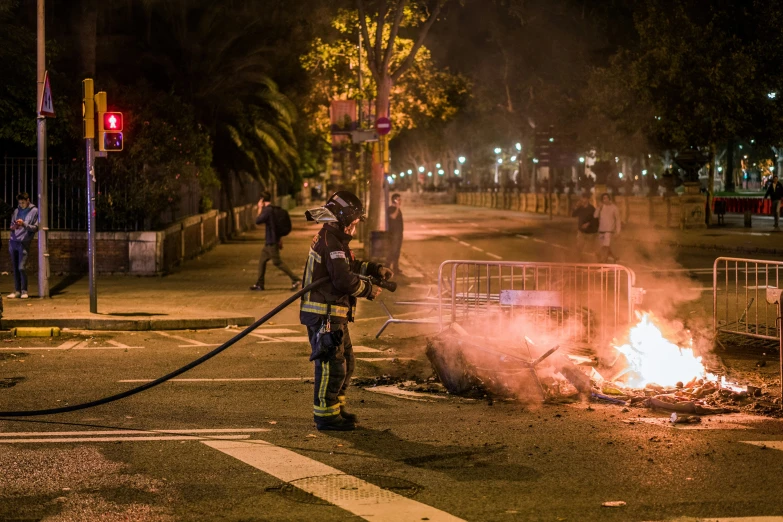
(109, 126)
(88, 109)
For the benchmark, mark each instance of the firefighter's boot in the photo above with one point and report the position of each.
(344, 414)
(334, 423)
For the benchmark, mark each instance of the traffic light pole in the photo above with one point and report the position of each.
(42, 196)
(90, 155)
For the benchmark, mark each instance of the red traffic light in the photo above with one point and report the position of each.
(112, 121)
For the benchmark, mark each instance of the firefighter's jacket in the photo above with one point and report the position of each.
(331, 256)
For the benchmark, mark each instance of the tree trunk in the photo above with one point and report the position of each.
(380, 152)
(729, 183)
(711, 185)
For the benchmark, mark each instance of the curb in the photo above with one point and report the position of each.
(129, 325)
(712, 246)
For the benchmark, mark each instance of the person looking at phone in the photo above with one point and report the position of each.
(24, 225)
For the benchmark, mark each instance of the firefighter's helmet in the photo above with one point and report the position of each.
(346, 207)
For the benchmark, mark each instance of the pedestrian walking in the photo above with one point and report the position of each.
(327, 310)
(24, 225)
(608, 226)
(273, 243)
(775, 193)
(394, 234)
(586, 225)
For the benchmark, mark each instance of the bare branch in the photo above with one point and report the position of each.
(393, 35)
(366, 37)
(406, 64)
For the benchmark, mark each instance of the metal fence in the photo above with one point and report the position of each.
(574, 303)
(739, 297)
(67, 195)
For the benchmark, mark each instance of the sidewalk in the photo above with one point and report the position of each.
(210, 291)
(732, 238)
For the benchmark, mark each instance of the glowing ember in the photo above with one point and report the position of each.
(655, 360)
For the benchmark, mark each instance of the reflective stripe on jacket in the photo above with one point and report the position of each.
(331, 256)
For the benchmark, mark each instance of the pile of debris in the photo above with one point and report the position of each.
(469, 365)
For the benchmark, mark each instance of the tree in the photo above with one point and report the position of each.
(389, 16)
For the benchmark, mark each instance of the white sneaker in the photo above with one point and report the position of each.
(24, 295)
(13, 295)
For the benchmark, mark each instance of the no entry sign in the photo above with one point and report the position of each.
(383, 126)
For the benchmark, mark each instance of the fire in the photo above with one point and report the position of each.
(653, 359)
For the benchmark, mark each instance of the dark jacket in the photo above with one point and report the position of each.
(774, 192)
(331, 256)
(265, 217)
(395, 225)
(585, 215)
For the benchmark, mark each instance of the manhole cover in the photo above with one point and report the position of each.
(10, 382)
(332, 488)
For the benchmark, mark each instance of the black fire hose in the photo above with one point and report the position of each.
(180, 371)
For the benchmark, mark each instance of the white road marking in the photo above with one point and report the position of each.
(273, 331)
(366, 359)
(774, 444)
(455, 239)
(464, 244)
(129, 432)
(235, 379)
(190, 342)
(493, 255)
(365, 349)
(559, 246)
(404, 394)
(73, 345)
(330, 484)
(495, 229)
(520, 236)
(474, 224)
(538, 240)
(302, 339)
(117, 439)
(477, 249)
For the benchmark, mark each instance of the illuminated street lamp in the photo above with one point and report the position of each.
(462, 160)
(410, 172)
(422, 169)
(441, 172)
(437, 165)
(518, 146)
(498, 150)
(513, 158)
(582, 159)
(456, 172)
(429, 174)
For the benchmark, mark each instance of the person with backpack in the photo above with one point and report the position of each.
(586, 224)
(278, 225)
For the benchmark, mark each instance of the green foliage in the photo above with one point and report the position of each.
(165, 149)
(423, 94)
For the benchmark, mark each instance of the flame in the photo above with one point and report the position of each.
(653, 359)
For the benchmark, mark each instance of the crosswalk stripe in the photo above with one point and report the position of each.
(129, 432)
(116, 439)
(350, 493)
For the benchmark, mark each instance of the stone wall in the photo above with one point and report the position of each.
(135, 253)
(686, 211)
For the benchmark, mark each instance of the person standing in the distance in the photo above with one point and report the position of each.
(775, 193)
(608, 226)
(327, 309)
(272, 245)
(24, 225)
(395, 234)
(586, 224)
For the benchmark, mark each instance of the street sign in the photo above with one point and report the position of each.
(383, 126)
(47, 106)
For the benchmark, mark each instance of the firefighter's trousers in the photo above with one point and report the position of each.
(332, 377)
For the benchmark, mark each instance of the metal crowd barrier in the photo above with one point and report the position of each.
(579, 303)
(739, 297)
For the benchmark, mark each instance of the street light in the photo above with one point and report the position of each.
(582, 159)
(429, 174)
(456, 172)
(422, 169)
(513, 158)
(535, 160)
(441, 172)
(518, 146)
(500, 161)
(462, 160)
(498, 150)
(410, 172)
(437, 165)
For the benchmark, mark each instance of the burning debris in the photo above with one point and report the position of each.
(648, 371)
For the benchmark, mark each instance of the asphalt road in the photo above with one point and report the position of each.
(234, 440)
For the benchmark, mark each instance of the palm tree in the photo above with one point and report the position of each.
(216, 60)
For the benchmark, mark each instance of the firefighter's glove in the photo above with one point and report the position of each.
(385, 273)
(326, 345)
(375, 291)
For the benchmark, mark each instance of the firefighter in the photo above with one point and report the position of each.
(327, 310)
